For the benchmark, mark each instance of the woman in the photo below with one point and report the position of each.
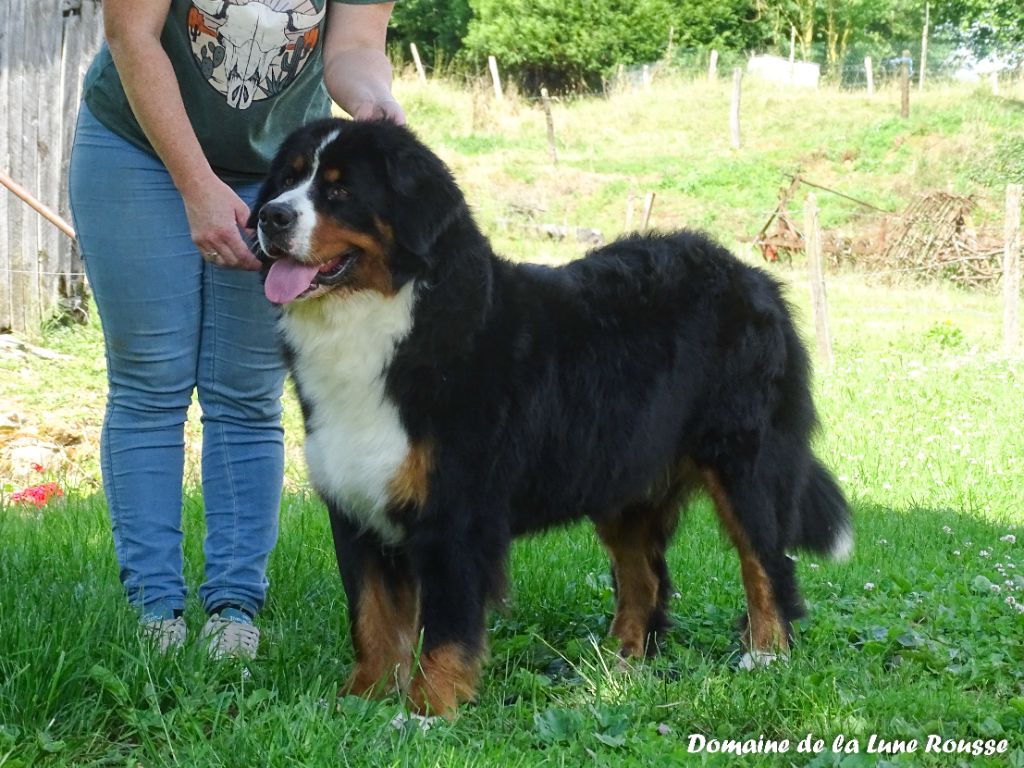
(183, 108)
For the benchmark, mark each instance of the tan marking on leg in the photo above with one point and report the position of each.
(765, 631)
(410, 483)
(630, 546)
(448, 676)
(385, 633)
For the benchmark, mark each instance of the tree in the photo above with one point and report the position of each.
(436, 26)
(567, 45)
(987, 26)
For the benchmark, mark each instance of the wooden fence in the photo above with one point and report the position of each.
(45, 48)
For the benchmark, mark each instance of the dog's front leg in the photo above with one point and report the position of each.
(454, 572)
(383, 605)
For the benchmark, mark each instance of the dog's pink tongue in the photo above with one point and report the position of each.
(287, 279)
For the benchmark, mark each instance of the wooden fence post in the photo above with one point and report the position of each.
(713, 65)
(418, 62)
(648, 207)
(924, 47)
(734, 112)
(492, 64)
(1011, 270)
(905, 85)
(869, 73)
(552, 147)
(812, 240)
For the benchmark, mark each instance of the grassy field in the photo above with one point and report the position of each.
(920, 633)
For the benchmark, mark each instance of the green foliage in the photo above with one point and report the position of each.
(567, 46)
(436, 26)
(1001, 164)
(987, 26)
(723, 24)
(946, 335)
(571, 46)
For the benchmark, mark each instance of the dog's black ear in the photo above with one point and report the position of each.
(425, 197)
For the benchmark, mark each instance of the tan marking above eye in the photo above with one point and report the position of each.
(332, 175)
(299, 163)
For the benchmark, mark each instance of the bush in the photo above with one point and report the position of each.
(436, 26)
(566, 45)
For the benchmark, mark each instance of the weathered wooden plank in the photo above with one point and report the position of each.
(5, 203)
(83, 34)
(16, 157)
(43, 57)
(48, 149)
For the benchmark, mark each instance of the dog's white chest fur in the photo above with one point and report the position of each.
(355, 440)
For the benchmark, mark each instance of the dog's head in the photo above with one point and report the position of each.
(351, 206)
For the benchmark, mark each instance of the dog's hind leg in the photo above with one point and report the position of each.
(767, 573)
(383, 604)
(636, 540)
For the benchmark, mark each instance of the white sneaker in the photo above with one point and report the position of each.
(166, 634)
(229, 638)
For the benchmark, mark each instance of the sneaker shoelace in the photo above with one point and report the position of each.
(231, 638)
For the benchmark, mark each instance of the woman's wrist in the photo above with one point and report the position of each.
(358, 77)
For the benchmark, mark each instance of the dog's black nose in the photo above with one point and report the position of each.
(276, 218)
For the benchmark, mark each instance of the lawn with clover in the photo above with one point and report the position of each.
(920, 634)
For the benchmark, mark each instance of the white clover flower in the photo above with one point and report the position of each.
(869, 586)
(946, 529)
(1010, 600)
(996, 588)
(813, 566)
(956, 552)
(984, 553)
(1009, 538)
(882, 542)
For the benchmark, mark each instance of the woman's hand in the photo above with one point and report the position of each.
(357, 72)
(383, 107)
(215, 215)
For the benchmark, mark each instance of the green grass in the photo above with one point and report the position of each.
(920, 419)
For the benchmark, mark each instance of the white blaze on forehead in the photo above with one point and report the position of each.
(300, 199)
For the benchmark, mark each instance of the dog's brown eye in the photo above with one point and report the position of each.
(334, 194)
(288, 182)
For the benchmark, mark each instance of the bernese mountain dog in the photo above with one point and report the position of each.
(454, 400)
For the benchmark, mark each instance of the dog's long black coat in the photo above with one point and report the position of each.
(605, 389)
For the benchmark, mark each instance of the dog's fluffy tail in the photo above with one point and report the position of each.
(824, 524)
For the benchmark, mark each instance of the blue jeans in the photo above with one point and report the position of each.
(173, 323)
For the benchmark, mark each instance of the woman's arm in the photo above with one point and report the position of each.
(214, 211)
(356, 69)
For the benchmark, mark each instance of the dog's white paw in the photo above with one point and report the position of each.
(757, 659)
(401, 720)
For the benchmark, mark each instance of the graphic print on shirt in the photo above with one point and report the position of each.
(251, 50)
